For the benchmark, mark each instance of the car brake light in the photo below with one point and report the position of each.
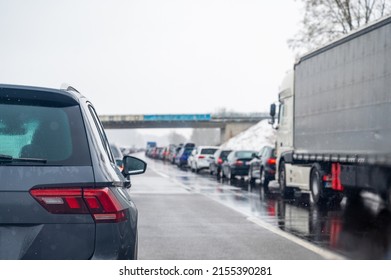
(104, 206)
(61, 201)
(201, 156)
(100, 203)
(271, 161)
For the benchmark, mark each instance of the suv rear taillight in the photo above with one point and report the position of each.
(104, 206)
(100, 203)
(271, 161)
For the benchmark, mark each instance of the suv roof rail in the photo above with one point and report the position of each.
(67, 87)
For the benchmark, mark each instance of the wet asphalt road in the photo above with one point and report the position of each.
(185, 216)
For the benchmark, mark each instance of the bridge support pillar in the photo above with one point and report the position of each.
(232, 129)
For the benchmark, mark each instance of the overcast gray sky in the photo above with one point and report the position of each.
(151, 56)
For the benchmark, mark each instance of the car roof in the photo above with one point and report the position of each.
(67, 94)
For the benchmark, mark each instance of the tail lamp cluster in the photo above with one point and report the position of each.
(271, 161)
(100, 203)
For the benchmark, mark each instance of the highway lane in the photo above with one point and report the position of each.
(183, 215)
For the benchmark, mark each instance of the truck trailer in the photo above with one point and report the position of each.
(334, 119)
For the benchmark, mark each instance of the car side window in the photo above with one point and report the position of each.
(267, 153)
(101, 132)
(261, 152)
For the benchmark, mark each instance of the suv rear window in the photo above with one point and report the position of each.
(208, 151)
(53, 133)
(244, 154)
(224, 154)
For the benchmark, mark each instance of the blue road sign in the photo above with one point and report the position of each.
(185, 117)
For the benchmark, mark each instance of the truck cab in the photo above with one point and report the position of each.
(289, 176)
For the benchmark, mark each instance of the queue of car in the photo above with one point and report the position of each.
(257, 166)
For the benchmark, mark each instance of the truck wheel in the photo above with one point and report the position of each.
(352, 195)
(336, 198)
(282, 180)
(318, 196)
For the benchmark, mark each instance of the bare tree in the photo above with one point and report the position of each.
(176, 138)
(326, 20)
(205, 136)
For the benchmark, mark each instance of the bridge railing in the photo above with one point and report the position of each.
(184, 117)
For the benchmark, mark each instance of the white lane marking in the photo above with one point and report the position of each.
(159, 173)
(320, 251)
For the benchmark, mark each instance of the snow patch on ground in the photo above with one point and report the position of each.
(253, 138)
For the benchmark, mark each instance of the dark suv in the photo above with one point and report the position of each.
(61, 194)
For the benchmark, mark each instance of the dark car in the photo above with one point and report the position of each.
(189, 145)
(263, 167)
(61, 193)
(161, 153)
(217, 160)
(237, 164)
(182, 156)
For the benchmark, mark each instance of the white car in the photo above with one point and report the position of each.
(200, 157)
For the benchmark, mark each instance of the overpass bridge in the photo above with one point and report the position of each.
(230, 124)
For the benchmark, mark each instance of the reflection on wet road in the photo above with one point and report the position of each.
(356, 230)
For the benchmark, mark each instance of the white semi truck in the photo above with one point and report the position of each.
(334, 118)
